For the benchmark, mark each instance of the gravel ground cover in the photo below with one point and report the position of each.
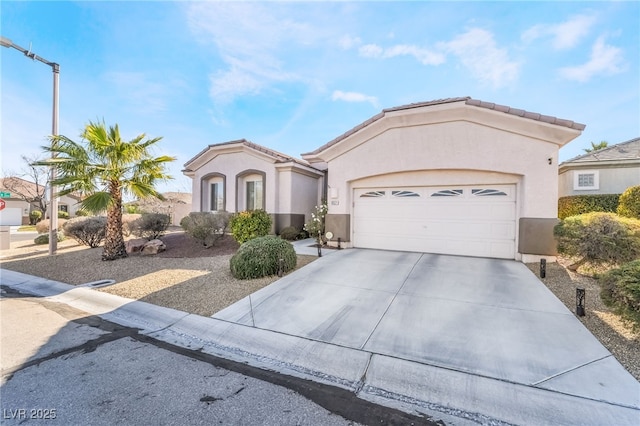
(608, 328)
(191, 278)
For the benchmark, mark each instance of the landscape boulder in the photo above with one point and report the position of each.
(135, 245)
(153, 247)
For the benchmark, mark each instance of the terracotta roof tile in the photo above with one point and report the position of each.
(468, 101)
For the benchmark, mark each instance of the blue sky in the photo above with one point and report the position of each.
(293, 76)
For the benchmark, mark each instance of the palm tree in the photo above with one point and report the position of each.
(103, 167)
(596, 146)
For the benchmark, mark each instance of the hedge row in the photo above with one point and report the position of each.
(574, 205)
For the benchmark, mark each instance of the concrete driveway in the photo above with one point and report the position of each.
(474, 334)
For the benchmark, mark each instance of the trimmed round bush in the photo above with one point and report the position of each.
(63, 215)
(42, 227)
(250, 224)
(206, 228)
(290, 233)
(35, 216)
(260, 257)
(44, 238)
(629, 204)
(81, 212)
(89, 231)
(150, 225)
(599, 238)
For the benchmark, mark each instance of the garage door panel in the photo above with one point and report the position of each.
(473, 221)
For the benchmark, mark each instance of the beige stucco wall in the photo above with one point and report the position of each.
(288, 188)
(231, 164)
(451, 153)
(612, 180)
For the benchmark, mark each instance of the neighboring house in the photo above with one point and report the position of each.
(609, 170)
(241, 175)
(17, 210)
(454, 176)
(176, 204)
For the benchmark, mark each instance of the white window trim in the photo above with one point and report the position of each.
(596, 180)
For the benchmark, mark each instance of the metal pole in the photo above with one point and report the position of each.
(53, 215)
(53, 204)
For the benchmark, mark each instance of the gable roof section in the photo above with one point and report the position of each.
(628, 151)
(278, 157)
(468, 101)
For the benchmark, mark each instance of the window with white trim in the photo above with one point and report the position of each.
(586, 180)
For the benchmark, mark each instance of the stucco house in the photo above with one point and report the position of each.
(609, 170)
(452, 176)
(17, 210)
(241, 175)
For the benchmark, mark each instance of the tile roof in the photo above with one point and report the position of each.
(468, 101)
(278, 156)
(629, 150)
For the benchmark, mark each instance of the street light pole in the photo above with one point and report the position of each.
(53, 201)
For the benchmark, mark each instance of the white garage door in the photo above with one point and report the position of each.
(11, 216)
(461, 220)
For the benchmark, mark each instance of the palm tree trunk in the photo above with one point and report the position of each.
(114, 247)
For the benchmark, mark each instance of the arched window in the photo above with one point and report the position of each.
(213, 193)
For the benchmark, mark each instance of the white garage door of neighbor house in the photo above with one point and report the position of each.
(11, 216)
(461, 220)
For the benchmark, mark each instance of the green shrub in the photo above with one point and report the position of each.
(44, 238)
(260, 257)
(82, 213)
(250, 224)
(89, 231)
(599, 238)
(132, 209)
(574, 205)
(620, 290)
(206, 228)
(629, 205)
(35, 216)
(63, 215)
(150, 225)
(290, 233)
(127, 220)
(42, 227)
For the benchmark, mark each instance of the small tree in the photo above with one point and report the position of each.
(596, 146)
(315, 226)
(29, 184)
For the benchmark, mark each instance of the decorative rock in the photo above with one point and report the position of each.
(153, 247)
(135, 245)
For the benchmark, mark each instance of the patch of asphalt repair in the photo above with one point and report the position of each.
(337, 400)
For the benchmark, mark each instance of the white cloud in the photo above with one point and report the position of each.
(478, 52)
(565, 34)
(371, 51)
(347, 42)
(422, 55)
(605, 60)
(249, 38)
(339, 95)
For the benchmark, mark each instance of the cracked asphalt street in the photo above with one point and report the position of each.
(63, 366)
